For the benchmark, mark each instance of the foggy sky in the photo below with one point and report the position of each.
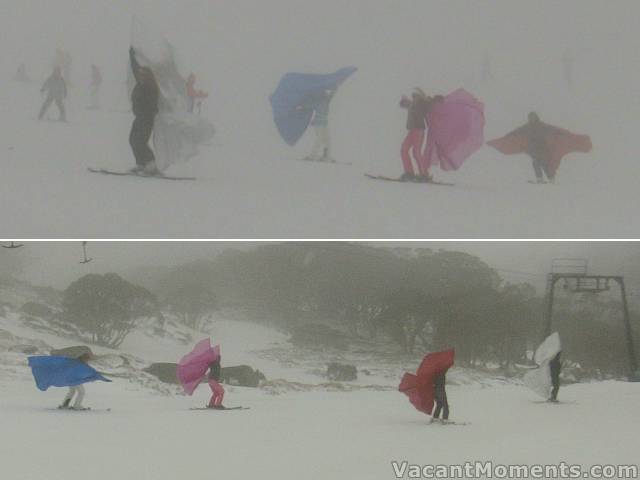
(57, 263)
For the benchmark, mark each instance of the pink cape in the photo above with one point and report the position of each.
(456, 130)
(420, 387)
(193, 366)
(559, 143)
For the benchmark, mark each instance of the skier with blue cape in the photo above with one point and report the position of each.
(303, 99)
(62, 371)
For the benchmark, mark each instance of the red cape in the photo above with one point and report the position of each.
(559, 143)
(419, 387)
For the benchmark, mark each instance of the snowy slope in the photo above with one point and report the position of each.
(305, 430)
(250, 185)
(314, 435)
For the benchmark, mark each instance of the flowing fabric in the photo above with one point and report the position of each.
(539, 380)
(558, 143)
(420, 387)
(193, 367)
(456, 130)
(53, 371)
(178, 134)
(548, 349)
(291, 93)
(177, 137)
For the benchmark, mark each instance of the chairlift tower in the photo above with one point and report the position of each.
(574, 273)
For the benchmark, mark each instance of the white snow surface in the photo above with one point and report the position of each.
(249, 182)
(314, 433)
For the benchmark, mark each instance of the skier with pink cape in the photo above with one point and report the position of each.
(193, 367)
(456, 130)
(455, 126)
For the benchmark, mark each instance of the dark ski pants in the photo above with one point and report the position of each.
(540, 168)
(47, 103)
(555, 381)
(139, 140)
(442, 405)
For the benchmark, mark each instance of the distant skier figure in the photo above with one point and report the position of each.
(567, 68)
(412, 146)
(65, 62)
(319, 102)
(144, 99)
(21, 74)
(195, 96)
(214, 384)
(96, 83)
(56, 90)
(537, 150)
(440, 398)
(77, 390)
(544, 143)
(555, 366)
(487, 71)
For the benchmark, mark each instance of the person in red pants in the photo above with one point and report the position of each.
(412, 146)
(214, 383)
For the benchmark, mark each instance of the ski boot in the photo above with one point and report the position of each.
(150, 169)
(407, 177)
(423, 179)
(64, 405)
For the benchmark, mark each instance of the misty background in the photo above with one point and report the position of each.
(56, 264)
(485, 298)
(575, 62)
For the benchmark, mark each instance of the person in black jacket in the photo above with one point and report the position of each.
(214, 383)
(440, 396)
(56, 89)
(555, 365)
(144, 99)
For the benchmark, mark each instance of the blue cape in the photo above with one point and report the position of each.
(291, 93)
(51, 371)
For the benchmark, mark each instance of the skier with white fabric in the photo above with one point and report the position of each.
(545, 380)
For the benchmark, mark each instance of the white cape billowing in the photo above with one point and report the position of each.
(539, 380)
(177, 136)
(177, 133)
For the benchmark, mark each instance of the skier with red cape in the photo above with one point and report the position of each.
(544, 143)
(427, 386)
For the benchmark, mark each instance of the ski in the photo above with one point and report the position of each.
(133, 174)
(559, 402)
(330, 162)
(447, 423)
(79, 410)
(220, 409)
(392, 179)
